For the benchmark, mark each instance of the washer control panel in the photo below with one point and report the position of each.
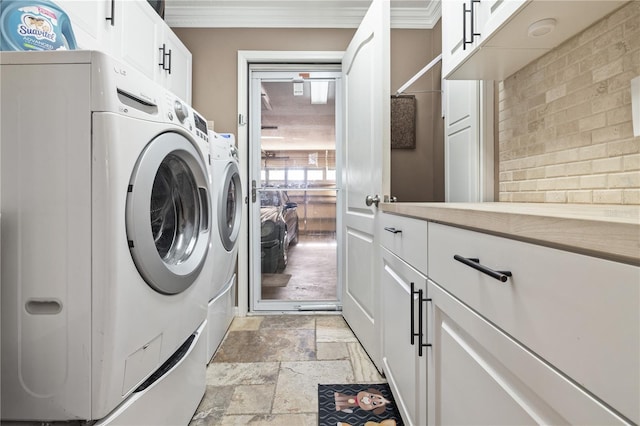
(178, 112)
(201, 126)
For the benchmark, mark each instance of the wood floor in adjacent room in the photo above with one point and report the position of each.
(267, 369)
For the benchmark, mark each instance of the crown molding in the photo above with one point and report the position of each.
(301, 14)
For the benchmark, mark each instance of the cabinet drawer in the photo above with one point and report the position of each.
(577, 312)
(481, 376)
(406, 238)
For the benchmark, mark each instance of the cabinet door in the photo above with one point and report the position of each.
(138, 32)
(178, 77)
(451, 34)
(462, 21)
(493, 14)
(88, 20)
(481, 376)
(404, 366)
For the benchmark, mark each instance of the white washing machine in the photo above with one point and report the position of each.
(106, 227)
(227, 208)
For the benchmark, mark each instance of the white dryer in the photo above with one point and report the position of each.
(227, 207)
(106, 230)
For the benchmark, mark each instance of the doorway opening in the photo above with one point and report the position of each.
(294, 148)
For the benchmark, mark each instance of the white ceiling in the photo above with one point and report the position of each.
(292, 122)
(294, 13)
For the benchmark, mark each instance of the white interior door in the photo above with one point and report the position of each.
(468, 142)
(365, 70)
(462, 141)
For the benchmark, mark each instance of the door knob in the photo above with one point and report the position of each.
(372, 200)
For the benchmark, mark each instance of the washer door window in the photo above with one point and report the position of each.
(229, 207)
(168, 214)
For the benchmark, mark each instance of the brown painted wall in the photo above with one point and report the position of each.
(416, 175)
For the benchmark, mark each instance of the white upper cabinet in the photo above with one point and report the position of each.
(92, 29)
(173, 69)
(492, 39)
(138, 37)
(133, 32)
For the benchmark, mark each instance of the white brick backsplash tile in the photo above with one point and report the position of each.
(593, 122)
(631, 196)
(579, 169)
(618, 115)
(535, 173)
(607, 165)
(609, 196)
(610, 133)
(608, 70)
(624, 180)
(555, 197)
(608, 101)
(527, 197)
(565, 132)
(553, 184)
(528, 185)
(631, 162)
(556, 170)
(593, 181)
(555, 93)
(624, 146)
(582, 197)
(592, 151)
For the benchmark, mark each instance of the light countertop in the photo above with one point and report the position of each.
(607, 231)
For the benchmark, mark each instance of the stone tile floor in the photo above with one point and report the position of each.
(267, 370)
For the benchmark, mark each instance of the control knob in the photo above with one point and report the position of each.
(181, 111)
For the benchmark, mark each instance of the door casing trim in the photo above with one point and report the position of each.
(246, 57)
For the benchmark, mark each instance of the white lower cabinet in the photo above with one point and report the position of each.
(404, 322)
(525, 334)
(482, 376)
(495, 331)
(403, 284)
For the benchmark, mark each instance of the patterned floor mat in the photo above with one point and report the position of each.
(357, 405)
